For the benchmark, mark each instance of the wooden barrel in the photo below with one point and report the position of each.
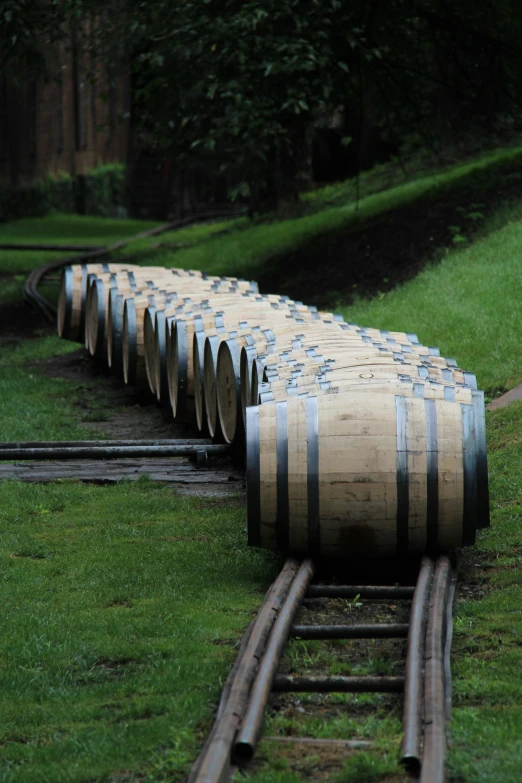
(180, 368)
(71, 297)
(337, 381)
(157, 329)
(73, 290)
(363, 370)
(204, 361)
(361, 475)
(133, 326)
(292, 342)
(138, 280)
(97, 303)
(421, 389)
(362, 366)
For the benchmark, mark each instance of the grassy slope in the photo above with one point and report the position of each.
(469, 305)
(243, 252)
(119, 607)
(54, 539)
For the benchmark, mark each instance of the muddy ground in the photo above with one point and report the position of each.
(378, 254)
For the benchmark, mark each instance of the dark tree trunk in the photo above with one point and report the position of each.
(292, 173)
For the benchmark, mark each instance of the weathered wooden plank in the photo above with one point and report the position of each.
(174, 471)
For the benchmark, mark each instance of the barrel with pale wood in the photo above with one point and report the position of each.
(180, 334)
(364, 370)
(73, 290)
(71, 297)
(358, 363)
(177, 285)
(133, 330)
(361, 475)
(294, 341)
(205, 348)
(97, 303)
(157, 330)
(421, 389)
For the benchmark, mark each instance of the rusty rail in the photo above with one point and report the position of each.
(91, 253)
(236, 731)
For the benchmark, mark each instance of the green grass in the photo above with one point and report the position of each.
(120, 605)
(60, 229)
(469, 305)
(243, 253)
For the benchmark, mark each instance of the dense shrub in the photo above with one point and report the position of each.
(100, 192)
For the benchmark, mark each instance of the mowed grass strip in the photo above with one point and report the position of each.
(120, 610)
(244, 252)
(222, 581)
(469, 305)
(60, 229)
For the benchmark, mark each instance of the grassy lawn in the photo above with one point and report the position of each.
(120, 606)
(243, 253)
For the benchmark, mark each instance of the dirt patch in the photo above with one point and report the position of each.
(378, 254)
(18, 322)
(122, 414)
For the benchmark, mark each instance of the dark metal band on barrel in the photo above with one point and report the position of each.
(102, 317)
(160, 333)
(432, 476)
(131, 341)
(181, 343)
(403, 479)
(312, 478)
(482, 459)
(68, 287)
(83, 300)
(283, 505)
(470, 475)
(253, 477)
(117, 303)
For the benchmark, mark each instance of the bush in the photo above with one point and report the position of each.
(100, 192)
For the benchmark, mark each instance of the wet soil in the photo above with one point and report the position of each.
(107, 409)
(123, 414)
(375, 255)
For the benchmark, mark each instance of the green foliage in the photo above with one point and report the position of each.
(252, 80)
(100, 192)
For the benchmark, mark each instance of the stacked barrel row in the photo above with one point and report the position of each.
(358, 441)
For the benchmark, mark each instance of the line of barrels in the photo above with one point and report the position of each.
(358, 441)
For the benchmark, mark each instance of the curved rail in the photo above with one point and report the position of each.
(236, 731)
(33, 297)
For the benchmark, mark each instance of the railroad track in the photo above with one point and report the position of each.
(91, 253)
(425, 683)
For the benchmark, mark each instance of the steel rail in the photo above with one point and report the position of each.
(411, 746)
(34, 279)
(237, 729)
(435, 744)
(44, 444)
(51, 248)
(213, 764)
(111, 452)
(248, 737)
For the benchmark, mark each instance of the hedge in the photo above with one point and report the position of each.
(100, 192)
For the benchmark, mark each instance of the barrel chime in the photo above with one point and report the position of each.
(359, 442)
